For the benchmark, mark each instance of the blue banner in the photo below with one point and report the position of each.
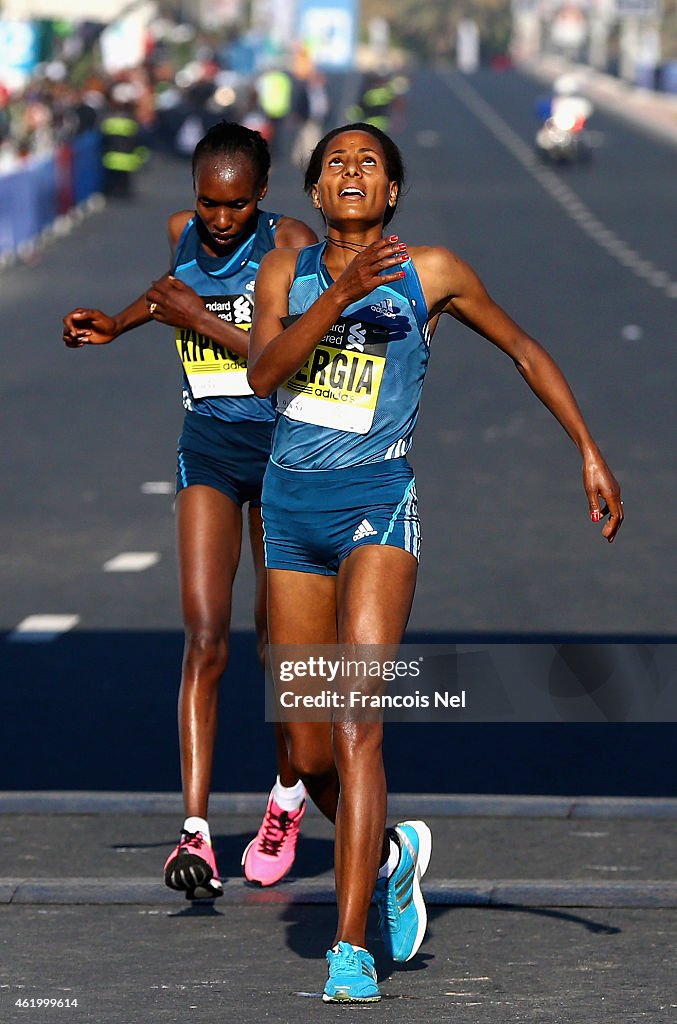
(19, 44)
(328, 28)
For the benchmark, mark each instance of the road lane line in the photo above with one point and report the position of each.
(40, 629)
(157, 487)
(132, 561)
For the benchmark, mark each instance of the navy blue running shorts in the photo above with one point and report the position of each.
(230, 457)
(313, 519)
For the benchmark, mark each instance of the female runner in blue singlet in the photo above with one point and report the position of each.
(341, 331)
(208, 299)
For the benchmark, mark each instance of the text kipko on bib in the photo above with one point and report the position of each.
(211, 369)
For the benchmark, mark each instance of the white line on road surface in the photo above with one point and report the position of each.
(132, 561)
(157, 487)
(565, 196)
(40, 629)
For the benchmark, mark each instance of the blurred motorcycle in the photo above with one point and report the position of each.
(562, 138)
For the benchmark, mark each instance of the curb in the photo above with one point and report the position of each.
(445, 892)
(399, 805)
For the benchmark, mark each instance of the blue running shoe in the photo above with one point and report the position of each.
(401, 910)
(352, 976)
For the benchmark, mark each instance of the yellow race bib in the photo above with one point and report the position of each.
(338, 385)
(211, 369)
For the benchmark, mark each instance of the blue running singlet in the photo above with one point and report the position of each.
(355, 400)
(215, 379)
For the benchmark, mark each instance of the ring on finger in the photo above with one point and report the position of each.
(152, 308)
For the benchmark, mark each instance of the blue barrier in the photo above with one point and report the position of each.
(27, 204)
(34, 195)
(87, 171)
(42, 198)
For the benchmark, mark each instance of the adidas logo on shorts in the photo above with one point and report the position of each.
(365, 529)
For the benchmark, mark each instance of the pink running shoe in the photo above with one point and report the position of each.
(191, 868)
(271, 852)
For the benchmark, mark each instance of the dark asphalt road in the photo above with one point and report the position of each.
(508, 547)
(479, 966)
(585, 929)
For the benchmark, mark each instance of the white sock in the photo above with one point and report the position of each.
(393, 860)
(196, 824)
(335, 949)
(289, 798)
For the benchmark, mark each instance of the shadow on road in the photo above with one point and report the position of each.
(97, 711)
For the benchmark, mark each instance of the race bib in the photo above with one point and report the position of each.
(212, 370)
(339, 384)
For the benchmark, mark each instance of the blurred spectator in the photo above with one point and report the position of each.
(86, 108)
(122, 151)
(47, 112)
(274, 88)
(381, 95)
(252, 116)
(310, 109)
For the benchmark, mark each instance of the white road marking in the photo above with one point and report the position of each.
(565, 196)
(40, 629)
(610, 867)
(132, 561)
(157, 487)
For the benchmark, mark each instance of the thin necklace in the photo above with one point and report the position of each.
(353, 246)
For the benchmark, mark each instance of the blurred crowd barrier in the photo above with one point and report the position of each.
(35, 197)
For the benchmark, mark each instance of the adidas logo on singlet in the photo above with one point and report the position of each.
(385, 308)
(365, 529)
